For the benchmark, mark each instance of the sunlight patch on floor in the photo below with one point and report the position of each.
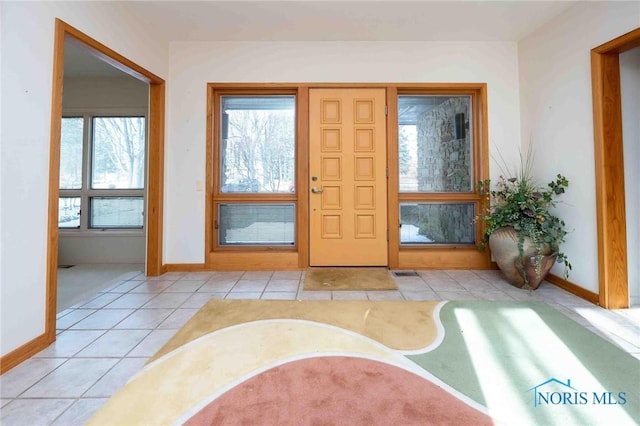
(517, 354)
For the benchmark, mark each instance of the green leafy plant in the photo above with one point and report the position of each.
(518, 201)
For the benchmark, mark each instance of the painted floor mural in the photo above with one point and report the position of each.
(264, 362)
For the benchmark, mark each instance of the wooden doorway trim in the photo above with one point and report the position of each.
(610, 202)
(155, 157)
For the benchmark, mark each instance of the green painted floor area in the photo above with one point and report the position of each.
(502, 353)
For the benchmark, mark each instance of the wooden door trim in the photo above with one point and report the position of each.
(393, 181)
(154, 182)
(609, 170)
(302, 175)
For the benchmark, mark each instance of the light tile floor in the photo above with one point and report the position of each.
(103, 341)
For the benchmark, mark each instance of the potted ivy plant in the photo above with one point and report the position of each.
(523, 235)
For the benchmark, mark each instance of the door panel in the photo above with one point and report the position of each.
(348, 169)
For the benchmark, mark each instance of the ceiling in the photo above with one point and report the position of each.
(79, 62)
(301, 20)
(329, 20)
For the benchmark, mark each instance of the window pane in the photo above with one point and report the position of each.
(256, 224)
(437, 223)
(71, 153)
(118, 152)
(69, 212)
(435, 146)
(257, 144)
(117, 212)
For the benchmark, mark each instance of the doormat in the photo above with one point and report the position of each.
(354, 279)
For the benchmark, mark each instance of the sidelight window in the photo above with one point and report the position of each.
(437, 152)
(255, 193)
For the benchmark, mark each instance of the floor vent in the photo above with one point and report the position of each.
(405, 273)
(65, 266)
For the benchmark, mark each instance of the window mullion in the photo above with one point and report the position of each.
(86, 175)
(116, 192)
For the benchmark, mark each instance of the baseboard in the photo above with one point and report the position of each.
(574, 289)
(183, 267)
(23, 353)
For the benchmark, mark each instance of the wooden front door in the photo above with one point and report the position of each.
(348, 177)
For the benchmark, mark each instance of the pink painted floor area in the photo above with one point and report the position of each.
(337, 391)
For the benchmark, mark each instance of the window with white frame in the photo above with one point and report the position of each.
(102, 172)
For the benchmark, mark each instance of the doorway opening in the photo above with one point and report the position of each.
(103, 151)
(66, 35)
(630, 89)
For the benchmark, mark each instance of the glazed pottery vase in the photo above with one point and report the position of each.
(504, 249)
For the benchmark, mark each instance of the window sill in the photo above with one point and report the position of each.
(75, 233)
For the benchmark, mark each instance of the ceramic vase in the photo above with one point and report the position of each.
(504, 250)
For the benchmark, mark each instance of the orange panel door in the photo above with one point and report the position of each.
(348, 177)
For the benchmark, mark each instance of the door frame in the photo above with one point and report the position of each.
(155, 158)
(609, 170)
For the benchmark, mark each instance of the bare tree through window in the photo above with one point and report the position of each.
(118, 152)
(258, 144)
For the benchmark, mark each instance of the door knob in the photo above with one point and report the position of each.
(316, 190)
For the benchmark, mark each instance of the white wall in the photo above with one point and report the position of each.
(1, 155)
(630, 86)
(556, 113)
(27, 34)
(194, 64)
(99, 95)
(92, 248)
